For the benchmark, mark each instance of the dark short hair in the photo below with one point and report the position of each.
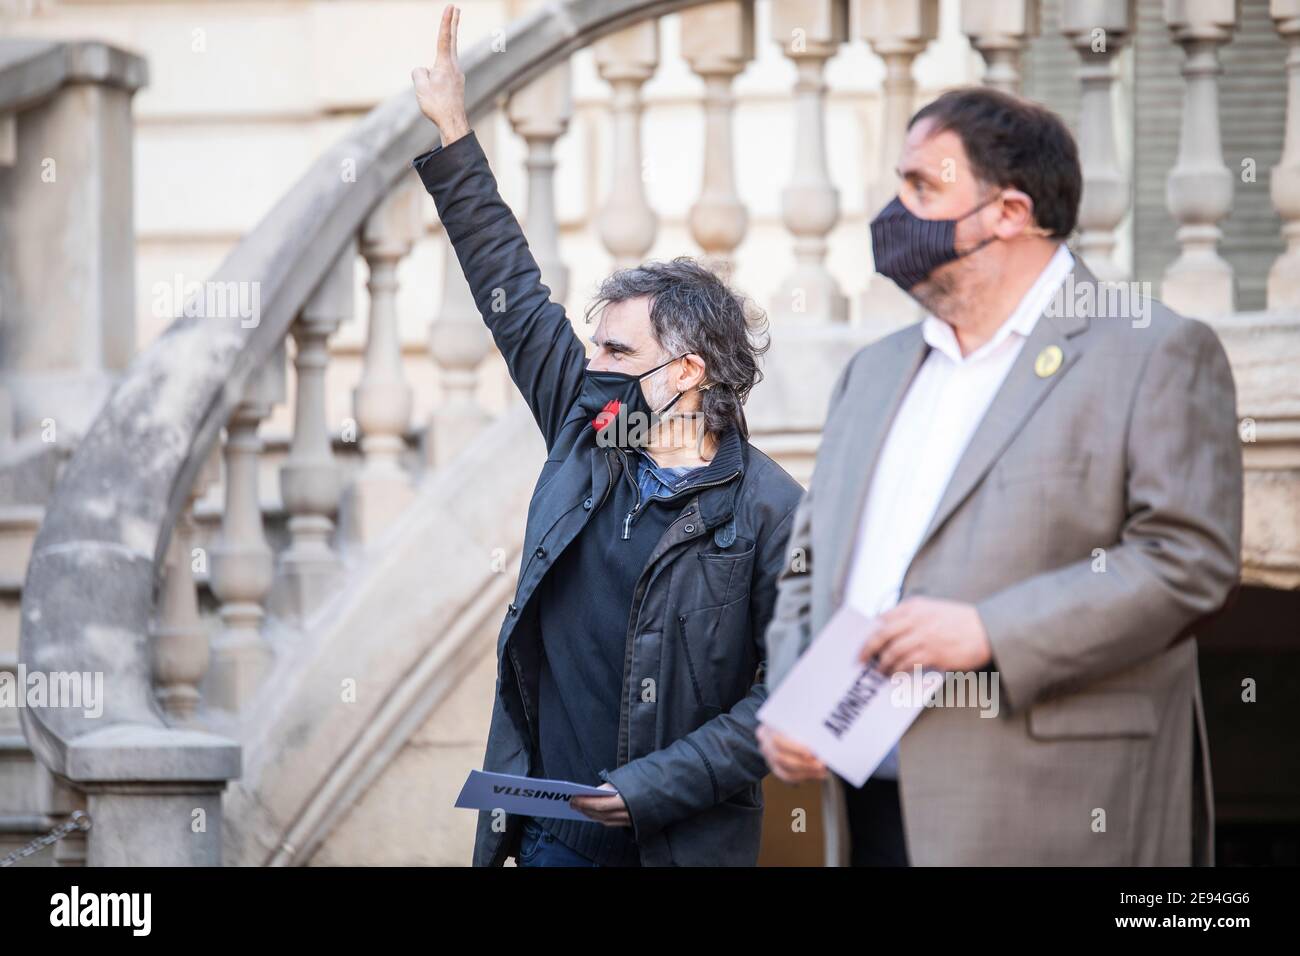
(693, 310)
(1011, 141)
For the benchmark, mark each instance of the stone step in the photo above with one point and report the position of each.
(18, 526)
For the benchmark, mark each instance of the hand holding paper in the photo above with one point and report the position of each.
(929, 632)
(526, 796)
(849, 714)
(791, 761)
(609, 809)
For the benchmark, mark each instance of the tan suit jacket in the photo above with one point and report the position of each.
(1094, 518)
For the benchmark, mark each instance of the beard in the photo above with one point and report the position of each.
(659, 394)
(935, 294)
(674, 426)
(942, 292)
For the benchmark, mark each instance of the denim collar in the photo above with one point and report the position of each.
(728, 460)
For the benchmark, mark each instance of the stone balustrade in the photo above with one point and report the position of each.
(717, 41)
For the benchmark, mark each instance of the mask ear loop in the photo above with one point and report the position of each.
(1033, 230)
(983, 242)
(661, 365)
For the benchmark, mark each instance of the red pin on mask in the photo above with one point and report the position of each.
(607, 415)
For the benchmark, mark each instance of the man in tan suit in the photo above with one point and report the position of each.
(1038, 485)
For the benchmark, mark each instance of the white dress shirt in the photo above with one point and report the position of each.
(941, 410)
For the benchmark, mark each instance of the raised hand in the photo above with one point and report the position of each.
(440, 89)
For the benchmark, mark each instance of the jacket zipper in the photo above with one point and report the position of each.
(636, 486)
(627, 520)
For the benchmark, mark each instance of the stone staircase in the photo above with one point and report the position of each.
(28, 472)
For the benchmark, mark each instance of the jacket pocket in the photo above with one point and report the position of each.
(1093, 714)
(751, 796)
(726, 834)
(694, 670)
(724, 577)
(713, 648)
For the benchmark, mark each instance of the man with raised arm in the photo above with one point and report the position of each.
(632, 655)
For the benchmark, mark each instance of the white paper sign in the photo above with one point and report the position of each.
(528, 796)
(847, 713)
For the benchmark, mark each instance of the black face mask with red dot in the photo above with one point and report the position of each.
(609, 396)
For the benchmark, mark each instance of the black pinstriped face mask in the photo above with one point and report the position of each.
(908, 248)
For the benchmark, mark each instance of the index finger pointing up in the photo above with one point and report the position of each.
(445, 33)
(455, 38)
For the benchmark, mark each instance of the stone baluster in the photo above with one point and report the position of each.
(180, 641)
(717, 41)
(6, 411)
(1284, 277)
(242, 563)
(810, 33)
(1199, 187)
(458, 344)
(626, 223)
(382, 399)
(1098, 29)
(309, 478)
(898, 31)
(8, 139)
(1000, 30)
(540, 113)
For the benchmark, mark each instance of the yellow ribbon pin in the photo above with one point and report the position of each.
(1048, 361)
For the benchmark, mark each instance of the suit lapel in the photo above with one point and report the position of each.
(875, 404)
(1017, 399)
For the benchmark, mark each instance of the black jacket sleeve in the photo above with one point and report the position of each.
(543, 353)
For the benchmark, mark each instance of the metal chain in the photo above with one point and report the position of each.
(77, 820)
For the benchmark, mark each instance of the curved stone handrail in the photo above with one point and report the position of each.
(93, 577)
